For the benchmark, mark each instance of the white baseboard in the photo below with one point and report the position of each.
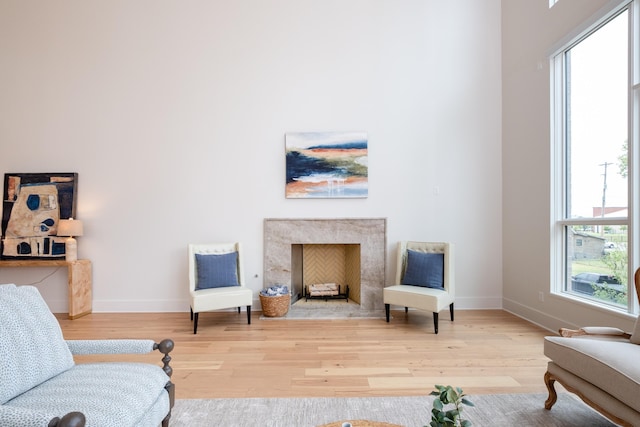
(168, 306)
(535, 316)
(137, 306)
(488, 303)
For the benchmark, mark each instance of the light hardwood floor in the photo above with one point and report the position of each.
(487, 351)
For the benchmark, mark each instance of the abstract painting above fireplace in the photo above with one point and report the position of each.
(326, 165)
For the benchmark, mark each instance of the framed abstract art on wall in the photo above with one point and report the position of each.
(326, 165)
(32, 206)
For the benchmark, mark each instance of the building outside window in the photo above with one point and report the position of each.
(595, 109)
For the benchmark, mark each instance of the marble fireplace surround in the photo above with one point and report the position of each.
(369, 233)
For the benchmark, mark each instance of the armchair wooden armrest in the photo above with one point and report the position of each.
(165, 347)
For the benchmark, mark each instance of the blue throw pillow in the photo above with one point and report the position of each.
(217, 271)
(424, 269)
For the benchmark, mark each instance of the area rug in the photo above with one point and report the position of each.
(508, 410)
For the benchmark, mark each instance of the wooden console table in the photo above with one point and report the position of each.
(79, 273)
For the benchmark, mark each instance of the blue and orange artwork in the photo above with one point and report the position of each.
(32, 207)
(327, 165)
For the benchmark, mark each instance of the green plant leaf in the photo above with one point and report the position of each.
(452, 396)
(437, 404)
(452, 414)
(467, 402)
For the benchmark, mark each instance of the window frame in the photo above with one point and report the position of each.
(560, 222)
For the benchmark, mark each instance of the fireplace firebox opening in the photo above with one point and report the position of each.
(313, 264)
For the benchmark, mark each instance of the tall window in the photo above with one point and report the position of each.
(595, 227)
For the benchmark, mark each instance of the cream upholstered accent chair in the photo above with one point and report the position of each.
(216, 279)
(424, 279)
(600, 365)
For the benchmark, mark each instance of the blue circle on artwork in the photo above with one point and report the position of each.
(33, 202)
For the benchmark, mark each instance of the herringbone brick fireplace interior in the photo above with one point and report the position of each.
(332, 263)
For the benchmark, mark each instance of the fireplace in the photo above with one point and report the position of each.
(325, 264)
(362, 239)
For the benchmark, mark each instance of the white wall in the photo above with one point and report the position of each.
(530, 31)
(174, 113)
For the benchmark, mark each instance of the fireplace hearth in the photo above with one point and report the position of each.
(281, 236)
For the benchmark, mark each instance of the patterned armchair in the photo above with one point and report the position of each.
(41, 385)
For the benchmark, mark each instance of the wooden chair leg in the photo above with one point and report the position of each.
(165, 421)
(451, 310)
(553, 396)
(387, 309)
(238, 310)
(435, 321)
(248, 314)
(195, 322)
(191, 310)
(406, 310)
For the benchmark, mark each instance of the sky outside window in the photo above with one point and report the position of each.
(597, 122)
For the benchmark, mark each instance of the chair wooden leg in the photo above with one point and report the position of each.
(406, 310)
(165, 421)
(195, 322)
(435, 321)
(451, 310)
(553, 396)
(387, 309)
(238, 310)
(248, 314)
(191, 310)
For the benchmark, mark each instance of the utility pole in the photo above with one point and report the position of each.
(604, 194)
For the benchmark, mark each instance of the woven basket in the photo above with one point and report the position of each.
(275, 306)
